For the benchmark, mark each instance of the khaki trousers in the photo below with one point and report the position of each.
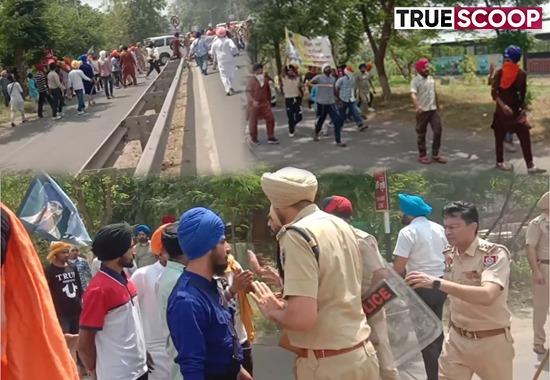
(359, 364)
(381, 342)
(490, 358)
(541, 295)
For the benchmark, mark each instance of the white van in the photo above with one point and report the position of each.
(162, 43)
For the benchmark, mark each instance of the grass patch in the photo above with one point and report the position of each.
(469, 106)
(30, 108)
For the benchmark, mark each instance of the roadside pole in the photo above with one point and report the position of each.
(382, 204)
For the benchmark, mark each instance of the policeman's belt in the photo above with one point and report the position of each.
(478, 334)
(320, 354)
(547, 262)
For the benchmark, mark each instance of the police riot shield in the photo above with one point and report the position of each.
(409, 323)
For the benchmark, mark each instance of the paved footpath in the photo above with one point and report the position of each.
(65, 145)
(384, 144)
(274, 363)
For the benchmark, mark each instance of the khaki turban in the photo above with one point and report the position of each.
(289, 186)
(544, 202)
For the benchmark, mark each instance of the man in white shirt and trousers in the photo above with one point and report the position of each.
(145, 279)
(224, 51)
(420, 247)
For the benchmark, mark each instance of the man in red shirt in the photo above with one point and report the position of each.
(112, 342)
(259, 105)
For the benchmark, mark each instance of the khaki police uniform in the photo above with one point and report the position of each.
(337, 347)
(538, 237)
(479, 340)
(372, 261)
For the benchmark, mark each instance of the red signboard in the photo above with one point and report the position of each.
(381, 194)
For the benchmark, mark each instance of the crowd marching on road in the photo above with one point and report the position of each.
(346, 95)
(56, 81)
(184, 310)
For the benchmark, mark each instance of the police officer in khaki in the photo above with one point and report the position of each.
(479, 340)
(321, 308)
(538, 253)
(374, 270)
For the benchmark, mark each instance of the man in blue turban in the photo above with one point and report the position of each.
(420, 247)
(144, 255)
(200, 326)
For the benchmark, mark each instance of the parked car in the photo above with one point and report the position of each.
(162, 43)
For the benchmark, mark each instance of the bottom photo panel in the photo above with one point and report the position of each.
(276, 274)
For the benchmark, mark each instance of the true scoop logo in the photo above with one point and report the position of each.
(468, 18)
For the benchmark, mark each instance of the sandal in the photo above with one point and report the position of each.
(535, 170)
(424, 160)
(539, 349)
(440, 159)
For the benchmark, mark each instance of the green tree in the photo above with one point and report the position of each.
(60, 18)
(23, 32)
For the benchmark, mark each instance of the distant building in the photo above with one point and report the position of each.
(449, 49)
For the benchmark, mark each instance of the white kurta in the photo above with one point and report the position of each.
(145, 279)
(223, 51)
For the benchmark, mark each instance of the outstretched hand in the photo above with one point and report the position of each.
(265, 299)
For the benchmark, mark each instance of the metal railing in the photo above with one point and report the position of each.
(148, 121)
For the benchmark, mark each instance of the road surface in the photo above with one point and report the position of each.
(65, 145)
(214, 137)
(274, 363)
(384, 144)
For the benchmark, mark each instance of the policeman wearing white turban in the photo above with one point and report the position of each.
(321, 308)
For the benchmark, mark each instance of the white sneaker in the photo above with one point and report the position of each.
(372, 109)
(81, 112)
(291, 135)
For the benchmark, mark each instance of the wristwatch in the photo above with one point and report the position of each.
(436, 284)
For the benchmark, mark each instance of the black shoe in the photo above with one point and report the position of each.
(273, 141)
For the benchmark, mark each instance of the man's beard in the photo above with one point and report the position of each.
(126, 263)
(219, 268)
(143, 240)
(405, 220)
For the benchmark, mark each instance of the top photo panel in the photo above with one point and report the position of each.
(210, 87)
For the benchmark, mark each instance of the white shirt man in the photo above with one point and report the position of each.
(223, 51)
(419, 248)
(145, 279)
(76, 78)
(422, 243)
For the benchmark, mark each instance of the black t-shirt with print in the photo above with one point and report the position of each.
(65, 288)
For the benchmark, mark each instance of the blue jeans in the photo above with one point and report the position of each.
(202, 63)
(337, 119)
(80, 96)
(351, 107)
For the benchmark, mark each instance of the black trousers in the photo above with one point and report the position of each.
(422, 121)
(524, 137)
(42, 98)
(153, 65)
(435, 299)
(247, 357)
(293, 112)
(57, 100)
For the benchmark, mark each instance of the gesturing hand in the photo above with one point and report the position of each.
(419, 280)
(241, 281)
(265, 299)
(271, 276)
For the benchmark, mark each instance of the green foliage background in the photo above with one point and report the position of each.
(113, 198)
